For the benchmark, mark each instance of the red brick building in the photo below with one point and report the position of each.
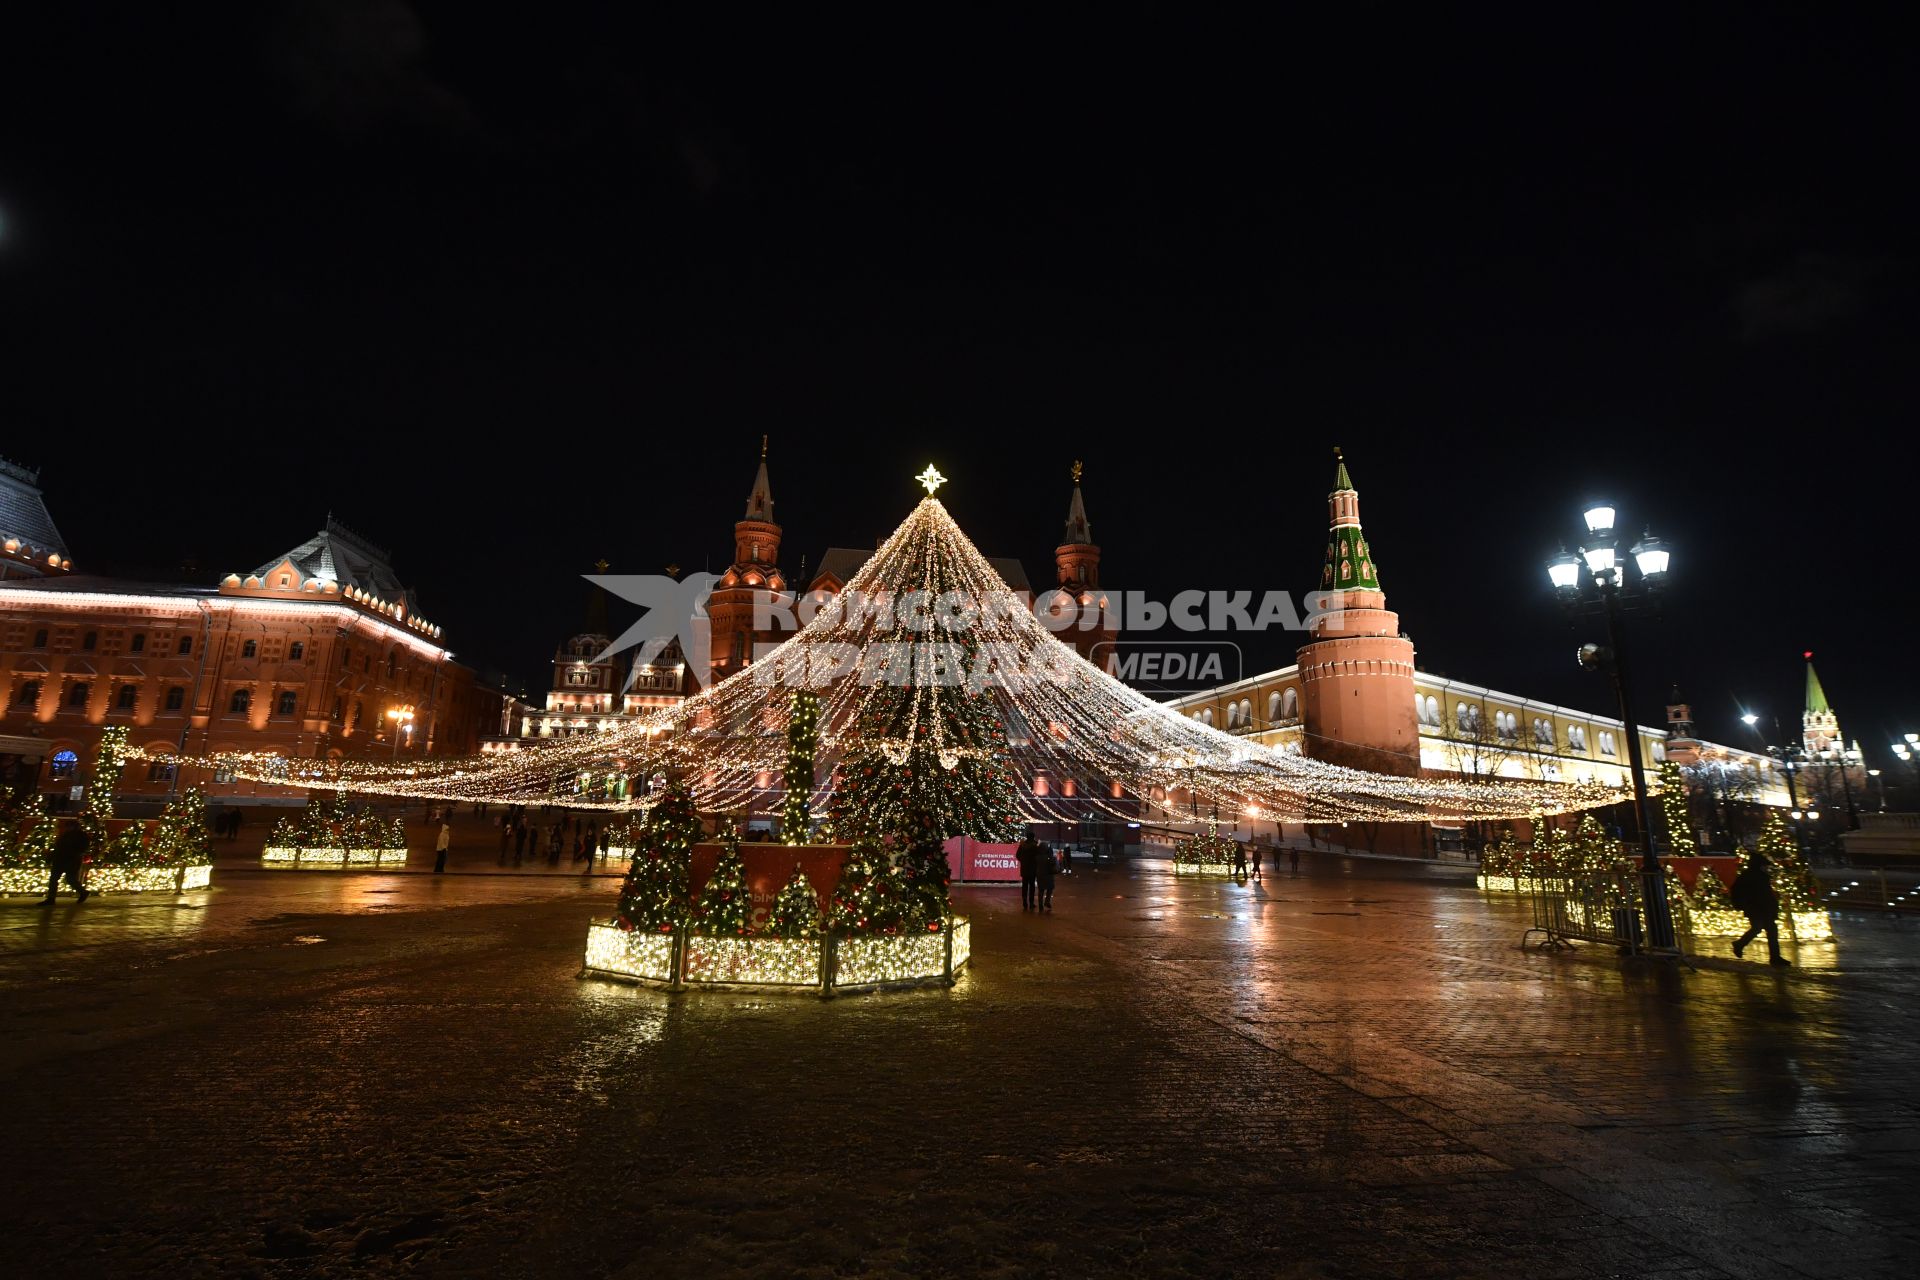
(316, 653)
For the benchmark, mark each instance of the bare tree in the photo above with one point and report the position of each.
(1478, 746)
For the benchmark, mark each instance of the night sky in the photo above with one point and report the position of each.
(510, 294)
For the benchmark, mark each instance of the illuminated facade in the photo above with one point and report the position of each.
(316, 653)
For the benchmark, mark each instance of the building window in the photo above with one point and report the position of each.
(240, 703)
(392, 665)
(1576, 737)
(1206, 717)
(90, 641)
(339, 710)
(296, 651)
(1542, 732)
(186, 646)
(248, 649)
(29, 696)
(176, 696)
(289, 700)
(128, 695)
(138, 644)
(1290, 705)
(160, 771)
(1508, 725)
(286, 580)
(40, 638)
(76, 695)
(62, 764)
(1606, 743)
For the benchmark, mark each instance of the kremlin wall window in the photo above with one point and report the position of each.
(1273, 706)
(1542, 732)
(1576, 737)
(28, 697)
(240, 703)
(176, 697)
(1606, 744)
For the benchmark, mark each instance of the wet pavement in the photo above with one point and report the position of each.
(1354, 1072)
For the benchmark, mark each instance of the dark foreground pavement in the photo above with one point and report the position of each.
(1352, 1073)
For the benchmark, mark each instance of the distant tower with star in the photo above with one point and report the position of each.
(751, 583)
(1077, 562)
(1819, 725)
(1356, 674)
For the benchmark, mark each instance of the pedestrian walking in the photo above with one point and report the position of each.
(1293, 856)
(440, 847)
(1239, 860)
(1753, 893)
(1029, 870)
(506, 838)
(66, 860)
(1043, 887)
(1256, 862)
(1066, 859)
(553, 846)
(520, 830)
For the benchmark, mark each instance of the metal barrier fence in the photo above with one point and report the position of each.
(1607, 908)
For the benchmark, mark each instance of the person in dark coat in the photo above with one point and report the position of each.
(520, 830)
(1753, 893)
(1029, 869)
(68, 855)
(1043, 877)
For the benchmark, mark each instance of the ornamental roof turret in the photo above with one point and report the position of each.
(1349, 565)
(760, 501)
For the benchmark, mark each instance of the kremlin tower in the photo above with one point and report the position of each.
(1356, 675)
(1077, 559)
(1819, 725)
(753, 577)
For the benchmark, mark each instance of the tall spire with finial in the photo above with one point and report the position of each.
(1349, 565)
(760, 501)
(1819, 723)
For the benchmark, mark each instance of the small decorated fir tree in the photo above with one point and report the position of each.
(181, 838)
(654, 897)
(796, 909)
(1787, 868)
(98, 808)
(725, 909)
(1673, 808)
(129, 848)
(1709, 892)
(872, 896)
(1591, 851)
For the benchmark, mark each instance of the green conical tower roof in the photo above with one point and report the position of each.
(1816, 696)
(1349, 565)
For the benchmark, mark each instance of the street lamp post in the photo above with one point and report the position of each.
(1791, 758)
(1593, 582)
(402, 718)
(1879, 789)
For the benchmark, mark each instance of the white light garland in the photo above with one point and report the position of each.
(1070, 723)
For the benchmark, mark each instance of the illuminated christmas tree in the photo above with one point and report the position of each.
(1673, 807)
(725, 909)
(1591, 851)
(872, 895)
(803, 736)
(1787, 867)
(1710, 892)
(654, 897)
(182, 837)
(796, 909)
(98, 807)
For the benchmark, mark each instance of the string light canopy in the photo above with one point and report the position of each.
(928, 612)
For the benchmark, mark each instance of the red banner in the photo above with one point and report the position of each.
(969, 860)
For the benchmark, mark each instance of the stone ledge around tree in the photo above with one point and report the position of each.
(679, 960)
(112, 878)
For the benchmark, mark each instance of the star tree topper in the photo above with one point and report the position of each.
(931, 478)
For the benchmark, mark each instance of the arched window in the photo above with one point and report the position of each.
(1607, 747)
(28, 697)
(1577, 737)
(288, 702)
(249, 648)
(1246, 711)
(240, 703)
(1206, 717)
(176, 696)
(1273, 706)
(77, 694)
(1290, 705)
(129, 695)
(296, 651)
(62, 764)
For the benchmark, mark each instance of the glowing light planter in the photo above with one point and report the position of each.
(824, 966)
(284, 858)
(112, 878)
